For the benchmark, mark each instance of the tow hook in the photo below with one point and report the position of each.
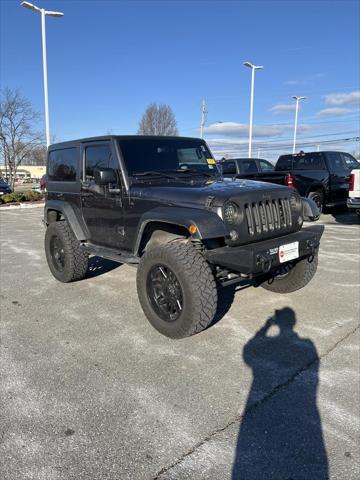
(265, 262)
(313, 248)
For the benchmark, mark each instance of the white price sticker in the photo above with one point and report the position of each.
(288, 252)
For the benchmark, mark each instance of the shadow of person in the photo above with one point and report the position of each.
(280, 437)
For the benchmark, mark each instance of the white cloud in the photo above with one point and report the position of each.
(242, 129)
(282, 108)
(340, 99)
(309, 80)
(333, 112)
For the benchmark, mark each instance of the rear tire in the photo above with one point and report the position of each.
(176, 289)
(318, 198)
(298, 277)
(67, 261)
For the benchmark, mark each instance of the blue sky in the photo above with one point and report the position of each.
(107, 60)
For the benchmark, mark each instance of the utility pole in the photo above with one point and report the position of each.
(204, 112)
(296, 118)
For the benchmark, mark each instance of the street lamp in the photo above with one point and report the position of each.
(253, 68)
(43, 13)
(296, 118)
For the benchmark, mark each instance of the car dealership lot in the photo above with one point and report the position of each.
(91, 390)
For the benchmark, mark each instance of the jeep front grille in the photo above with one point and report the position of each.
(268, 216)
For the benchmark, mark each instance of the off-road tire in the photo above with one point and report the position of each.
(318, 198)
(298, 277)
(75, 258)
(199, 292)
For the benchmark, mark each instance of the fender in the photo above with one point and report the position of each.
(310, 210)
(208, 224)
(68, 212)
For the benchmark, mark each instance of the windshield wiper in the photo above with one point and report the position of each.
(193, 170)
(154, 172)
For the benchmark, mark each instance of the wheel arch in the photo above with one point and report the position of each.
(56, 210)
(317, 187)
(174, 222)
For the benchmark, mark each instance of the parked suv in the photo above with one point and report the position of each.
(160, 203)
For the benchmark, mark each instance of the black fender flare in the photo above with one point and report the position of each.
(208, 224)
(69, 214)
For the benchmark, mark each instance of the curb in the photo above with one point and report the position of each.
(21, 205)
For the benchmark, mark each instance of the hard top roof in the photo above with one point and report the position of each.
(117, 137)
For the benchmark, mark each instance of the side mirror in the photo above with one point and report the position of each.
(104, 176)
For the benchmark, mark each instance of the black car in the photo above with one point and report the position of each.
(160, 203)
(4, 187)
(245, 167)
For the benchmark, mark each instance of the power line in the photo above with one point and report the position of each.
(287, 146)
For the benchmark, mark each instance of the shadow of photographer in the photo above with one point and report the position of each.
(281, 438)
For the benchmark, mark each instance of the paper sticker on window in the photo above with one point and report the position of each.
(210, 161)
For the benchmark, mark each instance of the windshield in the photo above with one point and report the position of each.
(151, 155)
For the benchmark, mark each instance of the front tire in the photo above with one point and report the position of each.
(176, 289)
(67, 261)
(298, 276)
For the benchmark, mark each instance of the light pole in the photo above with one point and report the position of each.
(253, 68)
(296, 118)
(203, 117)
(43, 13)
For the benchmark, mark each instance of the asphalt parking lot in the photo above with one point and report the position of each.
(91, 391)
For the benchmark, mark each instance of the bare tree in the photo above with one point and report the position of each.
(158, 120)
(37, 156)
(17, 135)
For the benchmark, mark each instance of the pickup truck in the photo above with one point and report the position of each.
(322, 176)
(353, 201)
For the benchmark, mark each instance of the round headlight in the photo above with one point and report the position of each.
(230, 212)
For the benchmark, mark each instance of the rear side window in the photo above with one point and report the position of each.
(248, 166)
(62, 165)
(335, 162)
(229, 168)
(302, 161)
(97, 157)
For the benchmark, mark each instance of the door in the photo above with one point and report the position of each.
(102, 206)
(339, 177)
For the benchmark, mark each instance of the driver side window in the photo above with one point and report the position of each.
(97, 157)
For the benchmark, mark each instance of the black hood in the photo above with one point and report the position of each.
(199, 193)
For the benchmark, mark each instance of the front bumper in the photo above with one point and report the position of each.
(353, 203)
(261, 257)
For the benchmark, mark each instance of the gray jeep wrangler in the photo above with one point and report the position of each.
(162, 204)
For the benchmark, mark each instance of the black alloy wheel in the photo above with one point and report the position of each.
(57, 253)
(164, 292)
